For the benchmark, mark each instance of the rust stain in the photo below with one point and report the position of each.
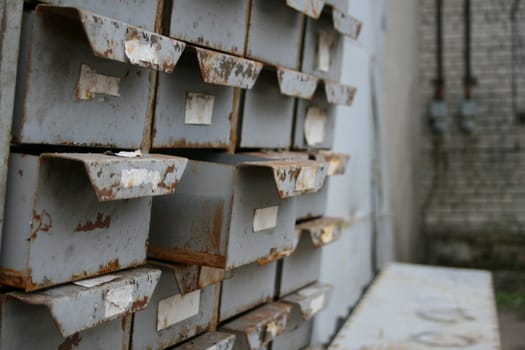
(100, 222)
(42, 221)
(217, 226)
(162, 184)
(12, 278)
(184, 143)
(111, 266)
(275, 254)
(140, 304)
(187, 257)
(70, 342)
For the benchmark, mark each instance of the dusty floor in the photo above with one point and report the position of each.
(512, 328)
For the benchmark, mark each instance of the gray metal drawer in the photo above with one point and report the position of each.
(217, 219)
(75, 215)
(86, 79)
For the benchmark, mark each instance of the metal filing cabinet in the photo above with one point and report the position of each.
(306, 303)
(250, 285)
(315, 119)
(197, 105)
(324, 38)
(303, 267)
(91, 314)
(11, 18)
(314, 204)
(275, 34)
(74, 215)
(82, 79)
(231, 210)
(139, 13)
(268, 109)
(217, 24)
(184, 304)
(256, 329)
(209, 341)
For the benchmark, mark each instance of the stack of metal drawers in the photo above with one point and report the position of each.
(166, 165)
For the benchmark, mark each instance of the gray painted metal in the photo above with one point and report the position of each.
(323, 49)
(96, 301)
(306, 303)
(216, 219)
(346, 24)
(314, 204)
(104, 96)
(439, 307)
(312, 8)
(65, 209)
(259, 327)
(185, 302)
(11, 23)
(217, 24)
(296, 339)
(267, 116)
(303, 266)
(317, 132)
(275, 33)
(341, 5)
(209, 341)
(250, 285)
(25, 326)
(136, 12)
(297, 84)
(339, 94)
(200, 110)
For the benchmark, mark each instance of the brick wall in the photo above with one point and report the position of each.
(473, 186)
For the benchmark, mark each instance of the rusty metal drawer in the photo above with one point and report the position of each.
(139, 13)
(231, 210)
(197, 105)
(269, 107)
(184, 304)
(306, 303)
(75, 215)
(11, 19)
(314, 204)
(250, 285)
(315, 119)
(90, 314)
(86, 79)
(209, 341)
(217, 24)
(275, 33)
(256, 329)
(324, 38)
(303, 267)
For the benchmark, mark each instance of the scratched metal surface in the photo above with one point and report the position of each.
(220, 25)
(209, 341)
(422, 307)
(11, 24)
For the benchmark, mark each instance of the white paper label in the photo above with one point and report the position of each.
(325, 42)
(93, 282)
(199, 108)
(265, 218)
(137, 177)
(314, 126)
(138, 53)
(177, 308)
(118, 300)
(306, 179)
(92, 83)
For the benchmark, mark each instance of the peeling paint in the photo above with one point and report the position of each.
(296, 84)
